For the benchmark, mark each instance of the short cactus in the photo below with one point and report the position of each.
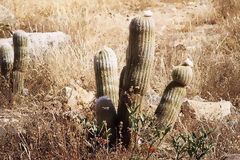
(7, 55)
(140, 59)
(21, 53)
(173, 96)
(105, 66)
(105, 111)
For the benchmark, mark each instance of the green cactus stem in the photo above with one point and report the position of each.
(139, 59)
(106, 74)
(21, 53)
(7, 56)
(173, 96)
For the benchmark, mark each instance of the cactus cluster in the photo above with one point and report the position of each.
(134, 82)
(14, 61)
(135, 76)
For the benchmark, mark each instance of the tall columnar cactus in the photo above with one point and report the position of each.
(106, 74)
(173, 96)
(21, 53)
(105, 111)
(7, 55)
(140, 59)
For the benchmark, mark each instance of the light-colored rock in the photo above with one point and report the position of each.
(71, 96)
(231, 157)
(85, 97)
(77, 96)
(39, 42)
(206, 110)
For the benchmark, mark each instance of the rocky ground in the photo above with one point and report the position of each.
(44, 121)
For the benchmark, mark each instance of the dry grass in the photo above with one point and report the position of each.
(52, 132)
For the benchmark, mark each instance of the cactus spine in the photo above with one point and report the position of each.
(7, 55)
(140, 59)
(105, 66)
(105, 111)
(20, 43)
(173, 96)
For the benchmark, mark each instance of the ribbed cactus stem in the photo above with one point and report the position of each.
(21, 53)
(182, 75)
(106, 74)
(139, 59)
(170, 104)
(7, 56)
(173, 96)
(18, 82)
(105, 112)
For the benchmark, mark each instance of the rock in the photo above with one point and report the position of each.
(231, 157)
(206, 110)
(77, 96)
(71, 96)
(85, 97)
(39, 42)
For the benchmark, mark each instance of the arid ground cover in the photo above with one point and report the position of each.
(42, 125)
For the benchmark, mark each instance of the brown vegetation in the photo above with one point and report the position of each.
(48, 128)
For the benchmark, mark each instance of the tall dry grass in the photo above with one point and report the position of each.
(51, 133)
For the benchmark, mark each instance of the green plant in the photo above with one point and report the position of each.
(136, 75)
(6, 58)
(171, 101)
(105, 67)
(21, 53)
(146, 137)
(196, 146)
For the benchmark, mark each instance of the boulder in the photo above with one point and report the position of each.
(40, 42)
(206, 110)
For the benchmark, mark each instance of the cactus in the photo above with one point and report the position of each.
(183, 74)
(139, 59)
(121, 80)
(173, 96)
(105, 111)
(105, 66)
(7, 55)
(21, 53)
